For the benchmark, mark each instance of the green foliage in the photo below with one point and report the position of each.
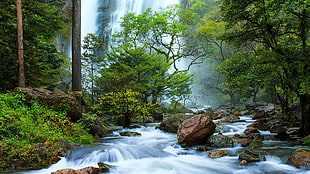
(175, 107)
(126, 106)
(93, 47)
(42, 21)
(307, 142)
(22, 126)
(274, 34)
(87, 121)
(147, 73)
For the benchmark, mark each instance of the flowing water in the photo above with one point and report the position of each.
(157, 152)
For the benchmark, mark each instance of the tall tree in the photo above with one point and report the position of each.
(42, 22)
(76, 49)
(21, 70)
(281, 28)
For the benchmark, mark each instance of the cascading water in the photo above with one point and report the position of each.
(156, 151)
(112, 12)
(89, 12)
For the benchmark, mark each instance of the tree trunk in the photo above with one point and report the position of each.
(232, 99)
(21, 70)
(305, 113)
(127, 120)
(76, 49)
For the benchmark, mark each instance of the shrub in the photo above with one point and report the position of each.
(22, 126)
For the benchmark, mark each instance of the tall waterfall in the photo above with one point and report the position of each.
(89, 13)
(111, 12)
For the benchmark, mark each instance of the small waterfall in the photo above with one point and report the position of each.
(156, 152)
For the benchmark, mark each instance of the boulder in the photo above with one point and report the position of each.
(243, 163)
(104, 167)
(130, 133)
(172, 123)
(54, 100)
(86, 170)
(230, 119)
(260, 124)
(257, 142)
(300, 158)
(195, 130)
(220, 141)
(249, 156)
(243, 140)
(251, 131)
(218, 153)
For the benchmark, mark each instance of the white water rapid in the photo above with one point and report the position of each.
(156, 152)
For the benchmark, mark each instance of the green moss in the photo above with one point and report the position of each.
(23, 126)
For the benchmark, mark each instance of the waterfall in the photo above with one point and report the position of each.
(111, 12)
(89, 13)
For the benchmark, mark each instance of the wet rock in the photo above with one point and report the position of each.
(243, 163)
(104, 167)
(54, 100)
(230, 119)
(249, 156)
(220, 141)
(244, 142)
(259, 115)
(251, 131)
(202, 148)
(260, 124)
(130, 133)
(245, 112)
(196, 130)
(86, 170)
(97, 129)
(134, 126)
(218, 153)
(300, 158)
(257, 142)
(252, 106)
(172, 123)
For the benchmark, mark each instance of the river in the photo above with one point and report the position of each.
(157, 152)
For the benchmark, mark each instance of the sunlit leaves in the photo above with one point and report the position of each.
(127, 104)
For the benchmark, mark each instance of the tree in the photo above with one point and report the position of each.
(160, 32)
(40, 28)
(152, 39)
(125, 106)
(76, 49)
(93, 47)
(148, 74)
(21, 70)
(280, 27)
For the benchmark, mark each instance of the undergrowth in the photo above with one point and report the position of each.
(22, 126)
